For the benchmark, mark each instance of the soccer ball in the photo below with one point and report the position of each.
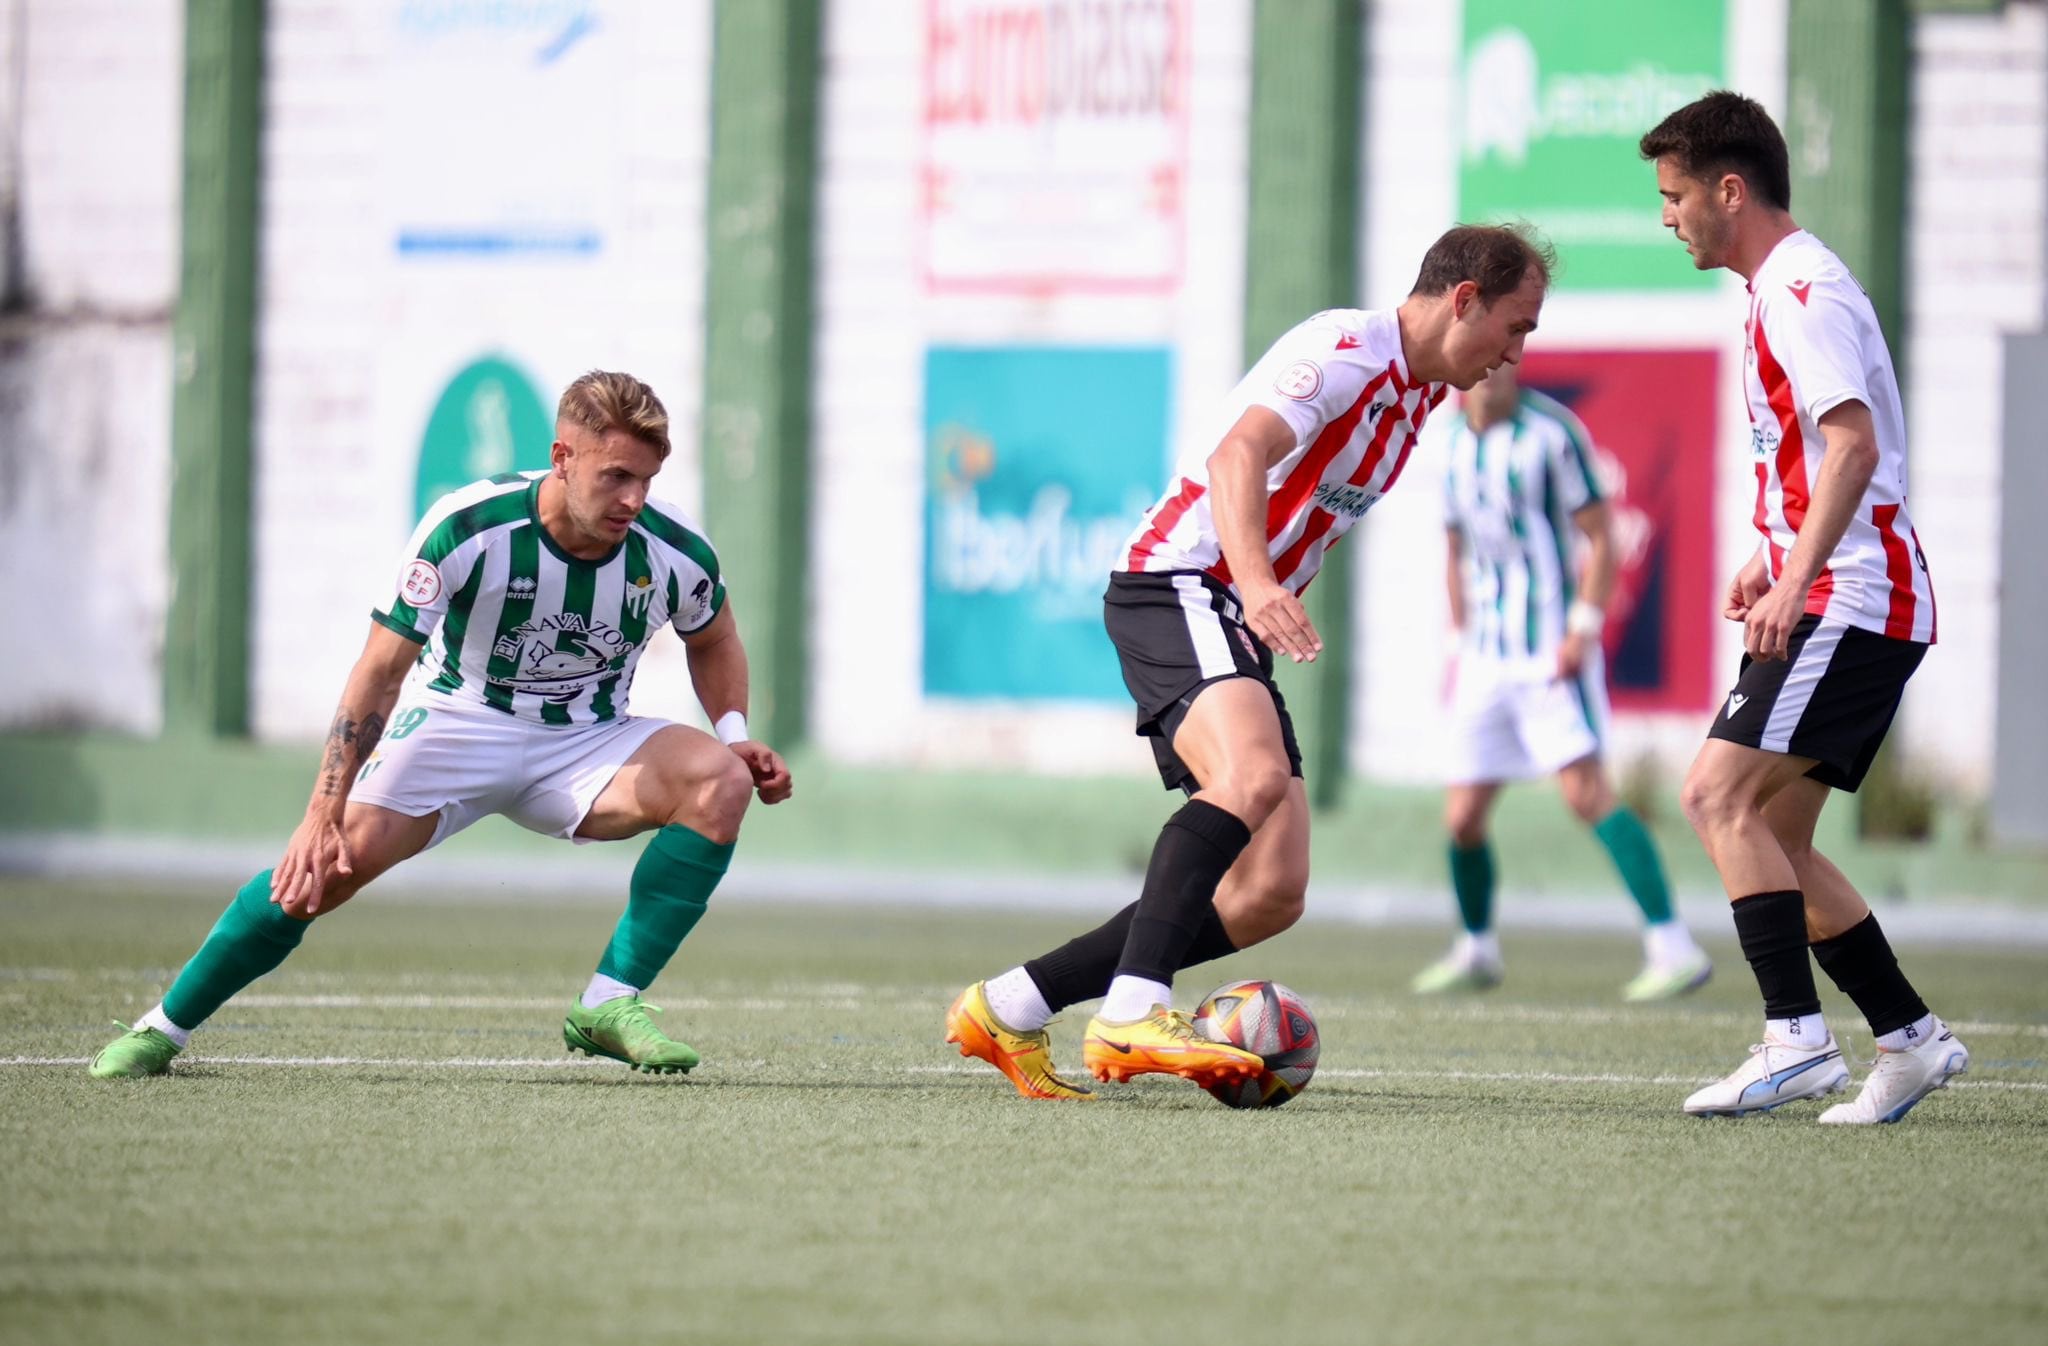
(1267, 1018)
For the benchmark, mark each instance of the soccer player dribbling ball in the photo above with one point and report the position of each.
(1207, 594)
(1529, 696)
(1837, 611)
(496, 681)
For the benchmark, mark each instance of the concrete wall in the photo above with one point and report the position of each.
(395, 129)
(876, 317)
(89, 136)
(1974, 251)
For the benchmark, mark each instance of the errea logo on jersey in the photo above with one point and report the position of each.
(522, 587)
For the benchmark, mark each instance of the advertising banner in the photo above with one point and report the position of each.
(1555, 98)
(1040, 462)
(1056, 145)
(1651, 417)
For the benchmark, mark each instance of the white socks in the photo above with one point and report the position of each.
(1911, 1036)
(1483, 947)
(1132, 998)
(603, 988)
(1668, 943)
(156, 1019)
(1016, 1000)
(1808, 1032)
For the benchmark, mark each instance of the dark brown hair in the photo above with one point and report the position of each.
(1495, 257)
(1726, 133)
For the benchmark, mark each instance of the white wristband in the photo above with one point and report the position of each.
(731, 728)
(1583, 619)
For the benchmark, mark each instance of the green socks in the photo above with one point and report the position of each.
(671, 886)
(1635, 855)
(251, 938)
(1472, 881)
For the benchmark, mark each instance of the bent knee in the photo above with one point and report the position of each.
(1258, 792)
(1709, 802)
(720, 800)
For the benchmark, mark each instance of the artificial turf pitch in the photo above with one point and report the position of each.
(385, 1142)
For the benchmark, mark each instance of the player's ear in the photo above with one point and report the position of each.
(559, 454)
(1464, 297)
(1733, 191)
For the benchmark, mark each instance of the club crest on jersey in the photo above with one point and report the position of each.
(1301, 380)
(639, 593)
(522, 587)
(561, 655)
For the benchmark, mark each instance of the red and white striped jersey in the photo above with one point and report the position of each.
(1814, 343)
(1342, 386)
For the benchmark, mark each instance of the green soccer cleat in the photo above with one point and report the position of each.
(1668, 981)
(1460, 971)
(621, 1029)
(136, 1054)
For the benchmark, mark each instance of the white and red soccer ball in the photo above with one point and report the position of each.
(1265, 1018)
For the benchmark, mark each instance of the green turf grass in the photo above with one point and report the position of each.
(1505, 1169)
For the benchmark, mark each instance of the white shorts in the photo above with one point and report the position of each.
(465, 762)
(1513, 720)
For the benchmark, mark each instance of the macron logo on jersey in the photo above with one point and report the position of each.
(1348, 342)
(1799, 289)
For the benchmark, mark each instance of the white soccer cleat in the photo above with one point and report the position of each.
(1774, 1075)
(1899, 1079)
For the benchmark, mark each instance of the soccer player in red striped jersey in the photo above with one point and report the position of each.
(1837, 612)
(1208, 592)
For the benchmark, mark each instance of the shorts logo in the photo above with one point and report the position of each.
(421, 583)
(1736, 701)
(1301, 380)
(522, 587)
(1245, 637)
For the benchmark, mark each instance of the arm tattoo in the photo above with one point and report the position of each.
(347, 743)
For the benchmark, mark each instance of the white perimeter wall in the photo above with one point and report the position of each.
(355, 342)
(90, 117)
(1973, 273)
(874, 323)
(1412, 154)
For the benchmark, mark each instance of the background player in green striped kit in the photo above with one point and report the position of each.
(1530, 696)
(496, 682)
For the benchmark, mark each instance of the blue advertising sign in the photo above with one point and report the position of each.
(1041, 461)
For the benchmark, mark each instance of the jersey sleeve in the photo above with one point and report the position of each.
(432, 571)
(1314, 378)
(696, 590)
(1571, 464)
(1814, 342)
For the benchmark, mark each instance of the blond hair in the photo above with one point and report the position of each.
(604, 400)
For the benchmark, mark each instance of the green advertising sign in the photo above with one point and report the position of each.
(489, 419)
(1555, 98)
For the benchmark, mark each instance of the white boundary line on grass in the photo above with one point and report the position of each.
(571, 1063)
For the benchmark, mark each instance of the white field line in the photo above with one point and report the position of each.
(571, 1063)
(845, 998)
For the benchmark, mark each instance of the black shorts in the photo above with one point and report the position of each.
(1175, 633)
(1832, 700)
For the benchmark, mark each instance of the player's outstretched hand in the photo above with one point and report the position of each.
(315, 855)
(771, 773)
(1767, 629)
(1278, 618)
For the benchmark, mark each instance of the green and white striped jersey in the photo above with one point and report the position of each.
(509, 620)
(1511, 493)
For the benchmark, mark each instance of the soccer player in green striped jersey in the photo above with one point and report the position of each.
(496, 681)
(1530, 695)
